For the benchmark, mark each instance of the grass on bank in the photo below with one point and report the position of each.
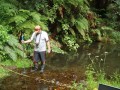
(93, 79)
(13, 64)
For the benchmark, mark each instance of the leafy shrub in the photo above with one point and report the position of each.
(10, 48)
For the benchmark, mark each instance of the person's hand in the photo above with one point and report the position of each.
(22, 41)
(49, 50)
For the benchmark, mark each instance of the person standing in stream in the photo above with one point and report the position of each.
(41, 40)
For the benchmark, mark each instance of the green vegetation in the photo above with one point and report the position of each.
(94, 79)
(25, 63)
(95, 75)
(68, 22)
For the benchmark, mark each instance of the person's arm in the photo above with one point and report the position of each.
(48, 46)
(29, 40)
(48, 43)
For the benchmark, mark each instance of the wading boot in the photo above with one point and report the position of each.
(42, 68)
(35, 68)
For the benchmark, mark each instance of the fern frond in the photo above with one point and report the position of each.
(21, 17)
(81, 31)
(72, 31)
(59, 2)
(12, 48)
(24, 13)
(56, 46)
(14, 2)
(12, 41)
(20, 53)
(7, 9)
(35, 16)
(82, 23)
(10, 52)
(73, 2)
(17, 19)
(27, 25)
(82, 26)
(72, 19)
(44, 26)
(1, 47)
(3, 34)
(86, 2)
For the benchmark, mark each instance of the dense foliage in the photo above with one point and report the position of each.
(68, 22)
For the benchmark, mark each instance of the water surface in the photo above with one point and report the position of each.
(61, 70)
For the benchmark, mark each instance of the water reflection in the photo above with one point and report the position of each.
(108, 53)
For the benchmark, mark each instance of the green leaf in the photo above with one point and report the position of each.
(82, 26)
(11, 53)
(72, 31)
